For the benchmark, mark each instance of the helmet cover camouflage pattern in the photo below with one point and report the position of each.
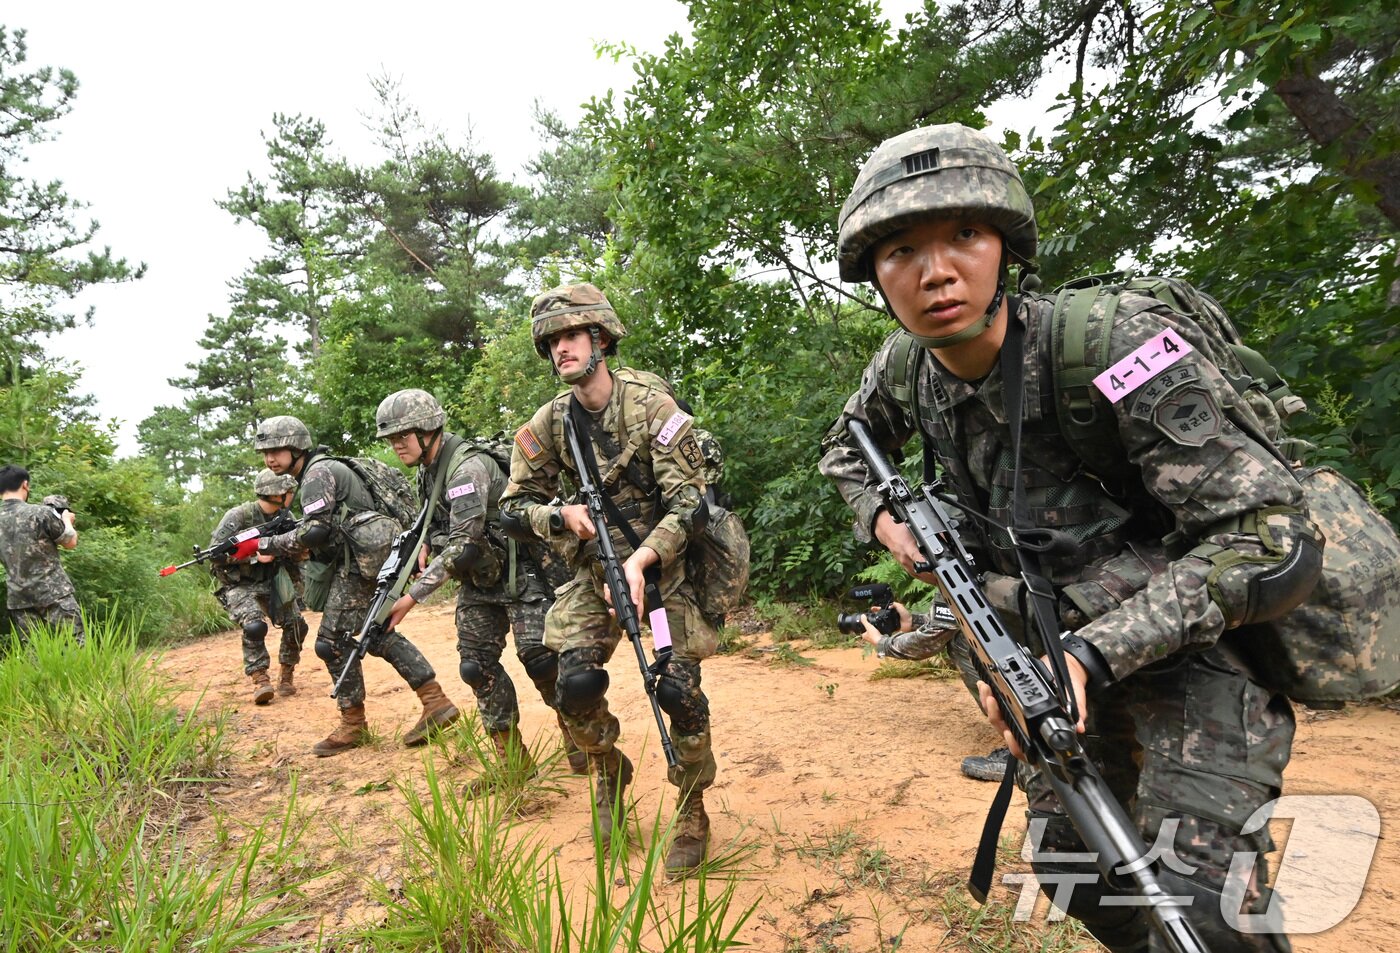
(57, 501)
(937, 171)
(406, 410)
(572, 306)
(273, 484)
(275, 433)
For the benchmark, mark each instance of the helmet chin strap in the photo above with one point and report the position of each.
(966, 334)
(424, 447)
(594, 359)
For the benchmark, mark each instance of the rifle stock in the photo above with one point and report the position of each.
(1032, 705)
(616, 581)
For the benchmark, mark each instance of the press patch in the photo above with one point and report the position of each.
(314, 507)
(1155, 356)
(525, 440)
(672, 427)
(462, 490)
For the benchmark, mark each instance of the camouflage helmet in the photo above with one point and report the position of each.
(406, 410)
(947, 170)
(572, 306)
(277, 432)
(273, 484)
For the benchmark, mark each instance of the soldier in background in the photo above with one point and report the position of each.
(262, 588)
(501, 587)
(37, 590)
(651, 466)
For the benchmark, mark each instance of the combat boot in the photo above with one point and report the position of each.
(578, 761)
(352, 732)
(613, 772)
(988, 767)
(285, 686)
(438, 712)
(692, 835)
(262, 687)
(508, 745)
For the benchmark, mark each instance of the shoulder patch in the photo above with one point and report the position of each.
(528, 443)
(1155, 356)
(690, 449)
(1189, 415)
(668, 430)
(462, 490)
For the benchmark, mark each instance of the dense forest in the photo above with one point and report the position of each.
(1250, 147)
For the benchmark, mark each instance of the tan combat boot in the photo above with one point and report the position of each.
(352, 732)
(508, 745)
(262, 687)
(285, 686)
(613, 774)
(438, 712)
(578, 761)
(692, 835)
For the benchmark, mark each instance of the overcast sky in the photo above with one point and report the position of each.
(174, 97)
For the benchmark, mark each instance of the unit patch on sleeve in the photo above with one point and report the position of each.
(530, 446)
(690, 449)
(1188, 414)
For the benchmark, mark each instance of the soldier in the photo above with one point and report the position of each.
(37, 590)
(501, 585)
(261, 588)
(652, 472)
(1162, 575)
(344, 524)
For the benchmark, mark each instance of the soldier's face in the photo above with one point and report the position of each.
(571, 349)
(939, 275)
(279, 461)
(406, 447)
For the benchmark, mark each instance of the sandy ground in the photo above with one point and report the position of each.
(821, 769)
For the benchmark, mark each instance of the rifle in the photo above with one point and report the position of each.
(1034, 706)
(281, 522)
(616, 581)
(389, 584)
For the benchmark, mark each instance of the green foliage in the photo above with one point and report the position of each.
(506, 385)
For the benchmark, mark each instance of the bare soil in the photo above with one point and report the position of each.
(836, 780)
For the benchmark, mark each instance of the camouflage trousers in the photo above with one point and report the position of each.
(347, 604)
(579, 627)
(249, 604)
(63, 613)
(481, 639)
(1192, 747)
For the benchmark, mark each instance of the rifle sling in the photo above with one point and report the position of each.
(584, 430)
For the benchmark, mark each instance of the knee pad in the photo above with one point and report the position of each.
(257, 631)
(471, 673)
(325, 649)
(688, 707)
(579, 692)
(541, 664)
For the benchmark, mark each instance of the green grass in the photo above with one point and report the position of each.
(98, 772)
(939, 667)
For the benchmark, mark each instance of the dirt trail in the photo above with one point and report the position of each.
(820, 767)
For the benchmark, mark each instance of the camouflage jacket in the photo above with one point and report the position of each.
(649, 461)
(333, 498)
(466, 514)
(29, 539)
(1137, 582)
(248, 573)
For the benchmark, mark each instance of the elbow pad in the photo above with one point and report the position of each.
(517, 527)
(465, 560)
(316, 535)
(1251, 588)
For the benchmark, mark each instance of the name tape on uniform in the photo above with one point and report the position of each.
(1155, 356)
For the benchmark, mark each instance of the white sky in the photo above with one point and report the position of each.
(174, 97)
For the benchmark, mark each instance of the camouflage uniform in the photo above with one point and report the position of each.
(650, 465)
(359, 542)
(489, 601)
(37, 590)
(249, 594)
(1163, 575)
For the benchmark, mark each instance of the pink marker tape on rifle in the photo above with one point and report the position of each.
(660, 630)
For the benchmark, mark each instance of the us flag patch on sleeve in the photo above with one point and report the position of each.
(525, 440)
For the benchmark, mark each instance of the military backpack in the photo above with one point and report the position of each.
(1343, 642)
(387, 485)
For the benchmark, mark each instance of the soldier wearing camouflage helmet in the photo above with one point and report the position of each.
(345, 526)
(501, 585)
(639, 434)
(1163, 576)
(258, 589)
(37, 589)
